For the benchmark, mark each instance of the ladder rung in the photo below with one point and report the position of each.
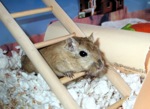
(52, 41)
(31, 12)
(65, 80)
(118, 103)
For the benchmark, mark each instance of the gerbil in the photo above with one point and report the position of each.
(72, 55)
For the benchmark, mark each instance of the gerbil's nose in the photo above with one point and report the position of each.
(100, 63)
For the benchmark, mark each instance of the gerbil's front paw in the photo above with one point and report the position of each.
(69, 74)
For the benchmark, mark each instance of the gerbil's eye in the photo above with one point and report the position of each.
(83, 53)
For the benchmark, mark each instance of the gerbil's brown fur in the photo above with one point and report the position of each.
(70, 56)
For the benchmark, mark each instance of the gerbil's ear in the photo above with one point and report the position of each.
(91, 37)
(71, 44)
(97, 43)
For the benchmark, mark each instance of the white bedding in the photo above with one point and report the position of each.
(20, 90)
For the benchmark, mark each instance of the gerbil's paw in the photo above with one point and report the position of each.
(69, 74)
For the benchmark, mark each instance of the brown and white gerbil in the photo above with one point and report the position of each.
(72, 55)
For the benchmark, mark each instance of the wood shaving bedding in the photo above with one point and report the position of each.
(21, 90)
